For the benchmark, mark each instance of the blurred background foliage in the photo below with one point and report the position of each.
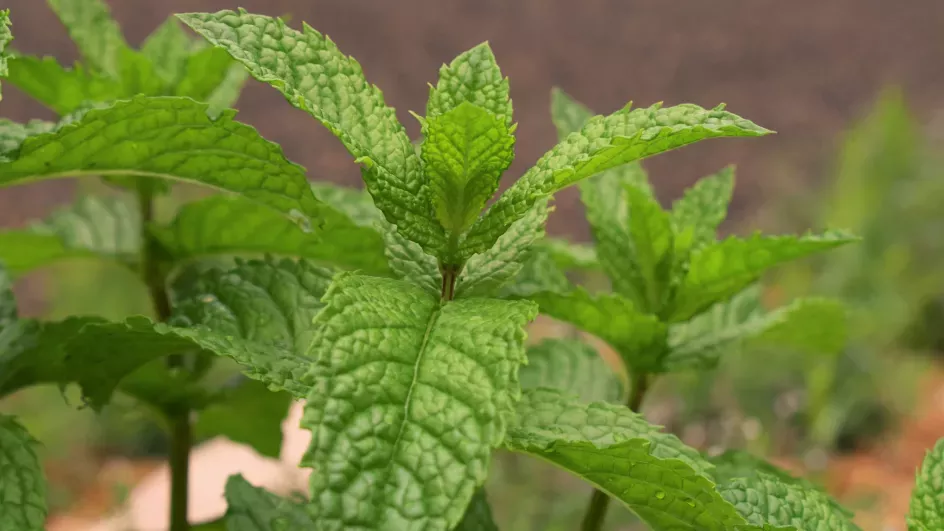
(819, 84)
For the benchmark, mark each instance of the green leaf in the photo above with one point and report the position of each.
(572, 367)
(23, 503)
(258, 313)
(137, 75)
(927, 498)
(539, 273)
(605, 203)
(704, 206)
(256, 509)
(472, 77)
(171, 138)
(103, 227)
(718, 271)
(569, 255)
(94, 32)
(249, 414)
(652, 243)
(484, 274)
(229, 225)
(61, 89)
(168, 49)
(33, 352)
(316, 77)
(5, 37)
(429, 386)
(465, 151)
(766, 500)
(478, 515)
(638, 337)
(204, 72)
(740, 464)
(13, 134)
(666, 483)
(604, 143)
(8, 312)
(409, 262)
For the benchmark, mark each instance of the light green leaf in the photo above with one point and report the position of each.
(316, 77)
(256, 509)
(704, 206)
(472, 77)
(653, 474)
(604, 200)
(227, 93)
(484, 274)
(604, 143)
(230, 225)
(652, 243)
(569, 255)
(94, 32)
(638, 337)
(258, 313)
(170, 138)
(6, 36)
(409, 262)
(431, 385)
(766, 500)
(137, 75)
(102, 227)
(718, 271)
(478, 515)
(572, 367)
(23, 503)
(204, 72)
(61, 89)
(539, 273)
(927, 498)
(168, 49)
(355, 203)
(13, 134)
(249, 414)
(465, 151)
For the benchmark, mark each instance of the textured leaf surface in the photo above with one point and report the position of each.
(103, 227)
(94, 32)
(256, 509)
(22, 485)
(640, 338)
(258, 313)
(5, 37)
(604, 143)
(235, 225)
(771, 502)
(604, 201)
(484, 274)
(472, 77)
(478, 515)
(13, 134)
(171, 138)
(465, 151)
(654, 474)
(538, 274)
(927, 498)
(411, 396)
(316, 77)
(572, 367)
(569, 255)
(717, 271)
(704, 206)
(409, 262)
(249, 414)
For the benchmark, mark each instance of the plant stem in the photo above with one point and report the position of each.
(181, 437)
(600, 501)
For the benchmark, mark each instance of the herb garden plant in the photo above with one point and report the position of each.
(399, 315)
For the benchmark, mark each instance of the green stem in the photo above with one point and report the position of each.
(600, 501)
(181, 437)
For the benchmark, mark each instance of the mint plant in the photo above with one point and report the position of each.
(399, 315)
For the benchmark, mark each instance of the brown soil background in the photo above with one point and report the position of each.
(804, 68)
